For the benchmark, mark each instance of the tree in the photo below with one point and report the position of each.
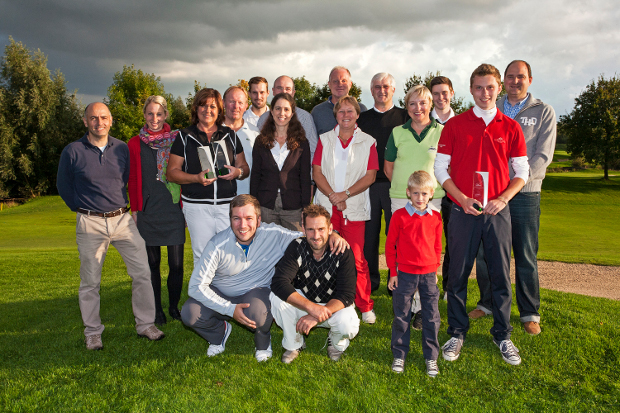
(308, 95)
(179, 113)
(457, 104)
(38, 118)
(126, 99)
(593, 128)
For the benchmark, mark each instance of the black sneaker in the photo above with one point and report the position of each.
(416, 323)
(510, 353)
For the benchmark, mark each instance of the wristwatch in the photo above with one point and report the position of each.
(348, 193)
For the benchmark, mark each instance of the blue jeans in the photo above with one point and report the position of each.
(525, 220)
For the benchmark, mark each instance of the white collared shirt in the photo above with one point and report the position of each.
(279, 153)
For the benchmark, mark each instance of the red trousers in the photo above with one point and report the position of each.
(353, 233)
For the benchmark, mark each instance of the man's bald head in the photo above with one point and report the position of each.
(283, 84)
(98, 119)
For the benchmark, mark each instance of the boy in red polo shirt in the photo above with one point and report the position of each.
(413, 246)
(478, 146)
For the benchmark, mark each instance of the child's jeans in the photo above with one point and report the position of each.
(401, 301)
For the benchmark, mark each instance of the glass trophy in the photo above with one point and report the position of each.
(213, 157)
(481, 187)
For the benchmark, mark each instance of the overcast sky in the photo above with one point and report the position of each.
(567, 42)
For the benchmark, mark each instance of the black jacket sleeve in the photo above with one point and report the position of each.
(286, 271)
(346, 279)
(304, 178)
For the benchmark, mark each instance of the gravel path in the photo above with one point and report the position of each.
(586, 279)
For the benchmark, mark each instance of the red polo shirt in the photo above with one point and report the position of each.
(474, 146)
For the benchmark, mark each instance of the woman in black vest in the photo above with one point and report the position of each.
(206, 191)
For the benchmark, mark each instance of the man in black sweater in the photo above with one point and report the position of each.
(313, 287)
(378, 122)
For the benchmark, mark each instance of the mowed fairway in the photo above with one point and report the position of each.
(574, 365)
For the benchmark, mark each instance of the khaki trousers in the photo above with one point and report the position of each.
(94, 235)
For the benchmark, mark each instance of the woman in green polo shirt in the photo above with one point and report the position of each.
(413, 147)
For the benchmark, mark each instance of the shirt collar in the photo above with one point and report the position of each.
(413, 210)
(438, 119)
(383, 111)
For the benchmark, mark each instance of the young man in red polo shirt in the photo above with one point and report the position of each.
(479, 146)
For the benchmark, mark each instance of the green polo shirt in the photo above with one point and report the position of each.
(411, 152)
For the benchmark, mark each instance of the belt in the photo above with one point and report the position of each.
(110, 214)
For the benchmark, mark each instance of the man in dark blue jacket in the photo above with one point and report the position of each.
(92, 179)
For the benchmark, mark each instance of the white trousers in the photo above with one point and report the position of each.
(203, 222)
(343, 325)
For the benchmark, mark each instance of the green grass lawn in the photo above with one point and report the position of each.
(574, 365)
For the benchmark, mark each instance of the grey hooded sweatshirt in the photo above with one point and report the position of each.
(538, 122)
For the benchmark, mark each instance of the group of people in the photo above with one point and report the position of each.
(289, 228)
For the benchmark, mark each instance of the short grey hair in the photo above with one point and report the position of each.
(339, 68)
(380, 76)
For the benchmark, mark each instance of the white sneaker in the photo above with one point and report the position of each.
(263, 355)
(369, 317)
(215, 349)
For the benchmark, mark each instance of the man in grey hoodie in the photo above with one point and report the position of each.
(538, 122)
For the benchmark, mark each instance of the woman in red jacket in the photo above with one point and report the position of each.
(155, 202)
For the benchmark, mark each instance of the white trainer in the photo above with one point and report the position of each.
(369, 317)
(263, 355)
(215, 349)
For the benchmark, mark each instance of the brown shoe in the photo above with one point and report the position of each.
(532, 328)
(152, 333)
(94, 342)
(476, 313)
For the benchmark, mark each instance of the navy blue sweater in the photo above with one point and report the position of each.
(91, 179)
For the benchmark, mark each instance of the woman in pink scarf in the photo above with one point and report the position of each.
(155, 202)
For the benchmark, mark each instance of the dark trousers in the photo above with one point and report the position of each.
(401, 302)
(175, 274)
(209, 324)
(466, 232)
(379, 202)
(446, 207)
(525, 220)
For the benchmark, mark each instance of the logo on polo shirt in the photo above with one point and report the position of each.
(432, 149)
(500, 140)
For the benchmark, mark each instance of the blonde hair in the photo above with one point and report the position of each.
(160, 100)
(422, 180)
(421, 91)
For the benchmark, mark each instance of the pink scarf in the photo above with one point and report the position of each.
(161, 140)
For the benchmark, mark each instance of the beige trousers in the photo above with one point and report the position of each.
(94, 235)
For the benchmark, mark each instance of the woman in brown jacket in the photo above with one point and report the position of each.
(280, 178)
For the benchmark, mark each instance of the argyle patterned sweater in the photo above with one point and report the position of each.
(333, 277)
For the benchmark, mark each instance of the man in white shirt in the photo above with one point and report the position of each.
(442, 92)
(259, 93)
(235, 104)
